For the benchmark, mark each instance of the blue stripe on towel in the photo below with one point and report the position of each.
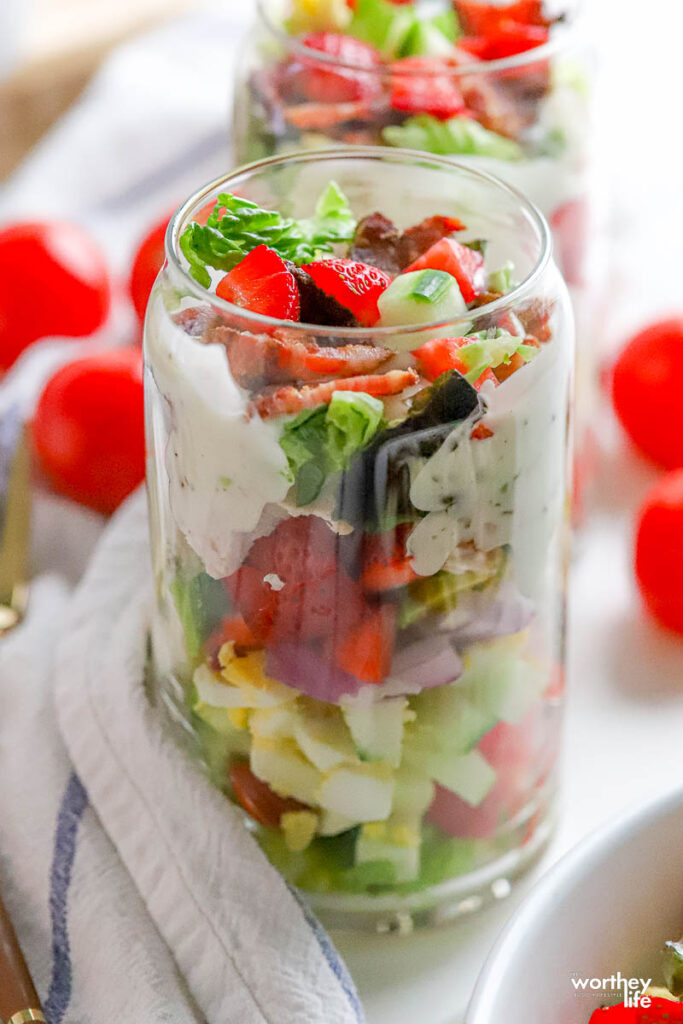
(74, 802)
(336, 963)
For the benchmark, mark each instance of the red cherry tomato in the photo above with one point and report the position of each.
(659, 551)
(257, 798)
(53, 281)
(88, 430)
(646, 386)
(149, 259)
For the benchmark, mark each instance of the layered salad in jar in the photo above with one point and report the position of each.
(358, 526)
(502, 85)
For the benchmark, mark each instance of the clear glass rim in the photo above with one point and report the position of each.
(558, 40)
(377, 154)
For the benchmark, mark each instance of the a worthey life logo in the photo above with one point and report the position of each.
(633, 991)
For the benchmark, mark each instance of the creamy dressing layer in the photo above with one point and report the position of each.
(507, 489)
(223, 469)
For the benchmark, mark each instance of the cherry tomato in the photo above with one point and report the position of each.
(257, 798)
(149, 259)
(88, 430)
(659, 551)
(646, 391)
(53, 281)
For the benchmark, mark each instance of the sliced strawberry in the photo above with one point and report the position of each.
(465, 264)
(258, 359)
(357, 286)
(439, 356)
(257, 798)
(386, 563)
(262, 283)
(366, 650)
(256, 601)
(510, 38)
(291, 400)
(349, 75)
(435, 92)
(484, 19)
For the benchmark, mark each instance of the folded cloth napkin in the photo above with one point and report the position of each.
(137, 892)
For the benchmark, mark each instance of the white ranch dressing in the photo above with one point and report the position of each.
(223, 469)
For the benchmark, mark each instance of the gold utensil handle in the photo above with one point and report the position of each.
(18, 998)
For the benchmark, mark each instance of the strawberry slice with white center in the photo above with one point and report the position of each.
(434, 92)
(262, 283)
(466, 266)
(349, 75)
(357, 286)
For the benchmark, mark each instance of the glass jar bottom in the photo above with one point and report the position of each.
(439, 905)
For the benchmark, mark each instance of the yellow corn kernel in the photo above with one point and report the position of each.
(239, 717)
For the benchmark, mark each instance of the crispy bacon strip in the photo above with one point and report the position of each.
(291, 400)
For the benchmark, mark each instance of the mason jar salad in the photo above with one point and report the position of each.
(357, 376)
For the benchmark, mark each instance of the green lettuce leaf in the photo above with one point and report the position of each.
(501, 280)
(323, 440)
(491, 348)
(459, 136)
(236, 226)
(201, 603)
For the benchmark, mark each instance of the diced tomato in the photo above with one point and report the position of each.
(510, 38)
(357, 286)
(291, 400)
(257, 798)
(481, 432)
(488, 374)
(366, 650)
(234, 629)
(505, 370)
(262, 283)
(434, 92)
(465, 264)
(386, 564)
(350, 75)
(439, 356)
(483, 19)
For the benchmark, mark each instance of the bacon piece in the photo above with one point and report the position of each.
(534, 318)
(316, 116)
(376, 241)
(415, 241)
(196, 320)
(291, 400)
(284, 357)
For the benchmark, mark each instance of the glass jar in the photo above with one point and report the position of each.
(371, 664)
(527, 118)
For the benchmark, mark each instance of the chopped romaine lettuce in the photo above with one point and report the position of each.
(673, 968)
(201, 603)
(383, 24)
(237, 226)
(491, 348)
(458, 136)
(322, 440)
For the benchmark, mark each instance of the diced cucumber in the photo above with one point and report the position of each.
(469, 775)
(331, 823)
(358, 792)
(500, 681)
(377, 728)
(388, 841)
(448, 719)
(413, 793)
(282, 765)
(419, 297)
